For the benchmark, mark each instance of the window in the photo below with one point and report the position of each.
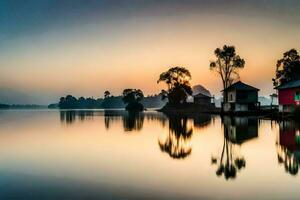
(297, 96)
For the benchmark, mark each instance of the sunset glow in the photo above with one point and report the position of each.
(53, 48)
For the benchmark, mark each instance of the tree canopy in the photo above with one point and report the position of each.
(71, 102)
(287, 68)
(227, 65)
(106, 94)
(132, 98)
(178, 82)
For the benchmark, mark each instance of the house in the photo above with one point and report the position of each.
(202, 96)
(288, 96)
(202, 99)
(241, 97)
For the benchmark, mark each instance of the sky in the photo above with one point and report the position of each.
(51, 48)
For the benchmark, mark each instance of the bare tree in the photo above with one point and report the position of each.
(227, 65)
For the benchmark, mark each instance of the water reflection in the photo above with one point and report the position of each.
(177, 143)
(288, 147)
(132, 121)
(202, 121)
(70, 116)
(237, 130)
(240, 129)
(97, 159)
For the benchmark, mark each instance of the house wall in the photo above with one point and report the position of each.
(247, 96)
(231, 96)
(226, 107)
(287, 108)
(241, 107)
(241, 96)
(286, 97)
(202, 100)
(238, 107)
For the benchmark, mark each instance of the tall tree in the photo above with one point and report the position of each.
(227, 65)
(178, 82)
(287, 68)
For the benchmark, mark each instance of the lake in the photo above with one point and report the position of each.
(96, 154)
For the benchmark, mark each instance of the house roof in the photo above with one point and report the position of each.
(199, 90)
(291, 84)
(202, 95)
(241, 86)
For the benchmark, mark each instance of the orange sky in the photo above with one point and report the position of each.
(90, 56)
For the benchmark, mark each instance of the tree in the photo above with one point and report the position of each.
(287, 68)
(227, 65)
(132, 98)
(106, 94)
(68, 102)
(178, 82)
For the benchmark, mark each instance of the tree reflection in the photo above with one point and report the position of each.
(236, 131)
(177, 142)
(201, 121)
(111, 116)
(133, 121)
(70, 116)
(288, 147)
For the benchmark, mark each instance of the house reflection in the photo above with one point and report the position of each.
(240, 129)
(177, 143)
(288, 147)
(70, 116)
(237, 130)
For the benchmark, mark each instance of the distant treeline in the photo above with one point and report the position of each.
(110, 102)
(21, 106)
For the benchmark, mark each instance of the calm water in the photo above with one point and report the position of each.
(116, 155)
